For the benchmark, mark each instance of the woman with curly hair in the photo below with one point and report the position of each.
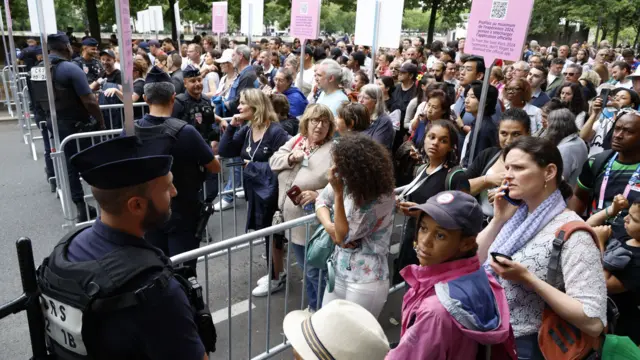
(363, 220)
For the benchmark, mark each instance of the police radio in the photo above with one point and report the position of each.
(186, 276)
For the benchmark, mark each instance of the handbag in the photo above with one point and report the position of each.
(319, 249)
(557, 338)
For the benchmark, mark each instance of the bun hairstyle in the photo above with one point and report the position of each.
(544, 153)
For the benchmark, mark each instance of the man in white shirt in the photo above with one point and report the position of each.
(328, 77)
(619, 74)
(308, 75)
(193, 56)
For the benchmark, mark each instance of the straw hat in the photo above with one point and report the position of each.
(341, 330)
(635, 74)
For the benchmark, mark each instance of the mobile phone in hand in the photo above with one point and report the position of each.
(510, 200)
(604, 95)
(495, 256)
(293, 194)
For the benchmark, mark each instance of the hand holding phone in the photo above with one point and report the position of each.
(496, 255)
(293, 194)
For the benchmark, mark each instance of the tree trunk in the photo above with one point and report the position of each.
(635, 42)
(604, 33)
(435, 4)
(566, 33)
(616, 31)
(92, 16)
(174, 26)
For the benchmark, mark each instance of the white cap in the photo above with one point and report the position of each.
(226, 57)
(636, 74)
(344, 329)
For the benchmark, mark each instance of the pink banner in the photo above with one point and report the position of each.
(305, 16)
(125, 48)
(497, 29)
(219, 17)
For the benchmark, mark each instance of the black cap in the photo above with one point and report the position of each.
(336, 53)
(124, 161)
(454, 210)
(409, 67)
(89, 42)
(108, 52)
(156, 75)
(144, 46)
(59, 38)
(307, 50)
(190, 71)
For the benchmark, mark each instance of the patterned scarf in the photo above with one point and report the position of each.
(523, 226)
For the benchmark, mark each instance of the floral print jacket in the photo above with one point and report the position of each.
(371, 227)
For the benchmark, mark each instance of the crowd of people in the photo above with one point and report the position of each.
(558, 144)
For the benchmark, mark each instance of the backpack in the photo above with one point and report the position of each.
(557, 338)
(599, 163)
(448, 180)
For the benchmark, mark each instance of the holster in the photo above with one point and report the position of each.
(206, 329)
(205, 213)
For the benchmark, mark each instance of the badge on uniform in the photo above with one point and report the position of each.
(305, 161)
(198, 117)
(85, 68)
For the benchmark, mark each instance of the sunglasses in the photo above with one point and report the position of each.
(569, 74)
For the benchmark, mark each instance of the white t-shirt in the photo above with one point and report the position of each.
(601, 128)
(627, 84)
(333, 101)
(308, 75)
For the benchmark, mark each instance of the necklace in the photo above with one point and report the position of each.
(248, 149)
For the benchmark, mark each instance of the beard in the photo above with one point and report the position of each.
(154, 218)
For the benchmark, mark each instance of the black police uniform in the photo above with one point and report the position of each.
(69, 84)
(200, 114)
(40, 108)
(108, 294)
(190, 153)
(92, 68)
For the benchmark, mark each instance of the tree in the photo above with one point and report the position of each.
(447, 9)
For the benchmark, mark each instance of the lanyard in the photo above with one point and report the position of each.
(416, 183)
(248, 149)
(632, 181)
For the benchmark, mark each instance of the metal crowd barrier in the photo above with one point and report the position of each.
(240, 243)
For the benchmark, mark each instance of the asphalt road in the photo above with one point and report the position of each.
(27, 208)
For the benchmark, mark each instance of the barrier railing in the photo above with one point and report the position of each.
(247, 242)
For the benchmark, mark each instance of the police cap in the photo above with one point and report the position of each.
(124, 161)
(190, 71)
(156, 75)
(89, 42)
(58, 39)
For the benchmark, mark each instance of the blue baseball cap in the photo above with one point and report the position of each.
(454, 210)
(59, 38)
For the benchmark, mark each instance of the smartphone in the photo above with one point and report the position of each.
(604, 95)
(511, 201)
(293, 194)
(495, 256)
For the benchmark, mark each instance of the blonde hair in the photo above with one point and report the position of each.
(263, 113)
(591, 76)
(317, 111)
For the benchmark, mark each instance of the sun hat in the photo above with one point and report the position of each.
(340, 330)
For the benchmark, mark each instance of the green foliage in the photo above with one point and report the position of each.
(333, 19)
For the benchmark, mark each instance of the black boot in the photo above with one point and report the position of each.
(82, 212)
(52, 184)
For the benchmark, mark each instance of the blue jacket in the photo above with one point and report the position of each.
(297, 101)
(261, 191)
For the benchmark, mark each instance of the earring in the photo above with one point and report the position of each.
(545, 184)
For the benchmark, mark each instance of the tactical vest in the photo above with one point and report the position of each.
(75, 295)
(202, 119)
(187, 176)
(65, 98)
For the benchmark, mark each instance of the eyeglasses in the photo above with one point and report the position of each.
(569, 74)
(318, 122)
(510, 89)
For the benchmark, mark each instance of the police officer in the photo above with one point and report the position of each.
(29, 55)
(89, 63)
(195, 108)
(106, 293)
(191, 153)
(39, 107)
(75, 103)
